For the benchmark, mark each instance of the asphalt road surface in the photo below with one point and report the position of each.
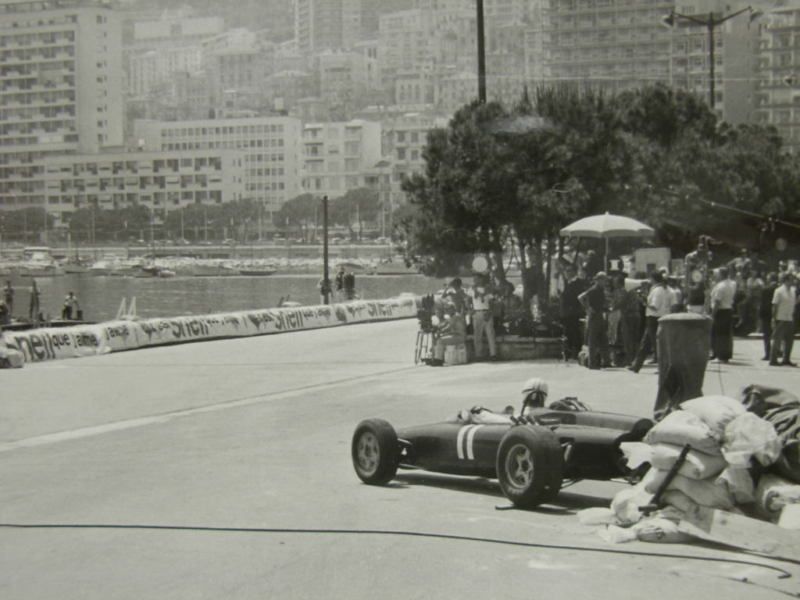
(222, 470)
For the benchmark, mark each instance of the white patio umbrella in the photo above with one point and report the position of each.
(607, 226)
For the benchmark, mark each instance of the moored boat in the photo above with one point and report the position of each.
(256, 272)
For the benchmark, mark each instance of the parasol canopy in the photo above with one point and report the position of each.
(607, 226)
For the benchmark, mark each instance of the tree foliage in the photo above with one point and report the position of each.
(497, 178)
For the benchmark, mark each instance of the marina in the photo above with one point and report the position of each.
(186, 294)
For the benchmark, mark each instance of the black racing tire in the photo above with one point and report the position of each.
(375, 451)
(530, 465)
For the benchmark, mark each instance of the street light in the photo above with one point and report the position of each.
(710, 23)
(481, 53)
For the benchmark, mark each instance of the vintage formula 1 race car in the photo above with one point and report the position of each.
(530, 455)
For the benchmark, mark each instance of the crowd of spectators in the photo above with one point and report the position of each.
(610, 319)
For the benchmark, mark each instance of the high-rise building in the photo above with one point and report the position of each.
(340, 24)
(611, 45)
(614, 45)
(735, 42)
(508, 12)
(778, 86)
(321, 24)
(61, 84)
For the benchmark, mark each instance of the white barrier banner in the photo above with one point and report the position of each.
(53, 343)
(87, 340)
(378, 310)
(116, 336)
(278, 320)
(155, 332)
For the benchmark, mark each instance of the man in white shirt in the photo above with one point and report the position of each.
(722, 297)
(659, 303)
(784, 301)
(482, 318)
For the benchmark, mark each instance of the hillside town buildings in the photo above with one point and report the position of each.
(343, 97)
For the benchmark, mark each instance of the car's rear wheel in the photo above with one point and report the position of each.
(530, 465)
(375, 451)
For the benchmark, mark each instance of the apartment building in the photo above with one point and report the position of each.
(61, 88)
(160, 48)
(778, 74)
(325, 24)
(610, 45)
(161, 181)
(336, 156)
(270, 149)
(404, 140)
(615, 45)
(431, 40)
(237, 63)
(735, 48)
(343, 75)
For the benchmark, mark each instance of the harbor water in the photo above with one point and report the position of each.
(100, 297)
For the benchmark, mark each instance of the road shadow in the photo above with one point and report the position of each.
(566, 503)
(475, 485)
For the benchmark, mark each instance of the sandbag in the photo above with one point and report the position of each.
(682, 427)
(627, 501)
(738, 483)
(715, 411)
(697, 465)
(702, 492)
(659, 529)
(749, 436)
(679, 500)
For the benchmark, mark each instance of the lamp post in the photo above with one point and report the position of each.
(710, 23)
(481, 53)
(326, 284)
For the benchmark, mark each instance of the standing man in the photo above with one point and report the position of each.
(349, 282)
(594, 301)
(784, 301)
(34, 307)
(482, 317)
(455, 292)
(339, 283)
(722, 298)
(8, 298)
(572, 311)
(659, 303)
(765, 311)
(71, 307)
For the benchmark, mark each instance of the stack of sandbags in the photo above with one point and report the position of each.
(724, 439)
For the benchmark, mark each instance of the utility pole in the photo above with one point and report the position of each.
(326, 285)
(481, 54)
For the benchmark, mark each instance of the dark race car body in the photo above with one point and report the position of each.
(531, 458)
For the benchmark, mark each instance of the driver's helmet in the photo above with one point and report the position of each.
(534, 393)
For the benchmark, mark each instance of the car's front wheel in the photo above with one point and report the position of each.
(530, 465)
(375, 451)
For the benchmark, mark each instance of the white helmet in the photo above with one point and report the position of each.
(534, 393)
(535, 384)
